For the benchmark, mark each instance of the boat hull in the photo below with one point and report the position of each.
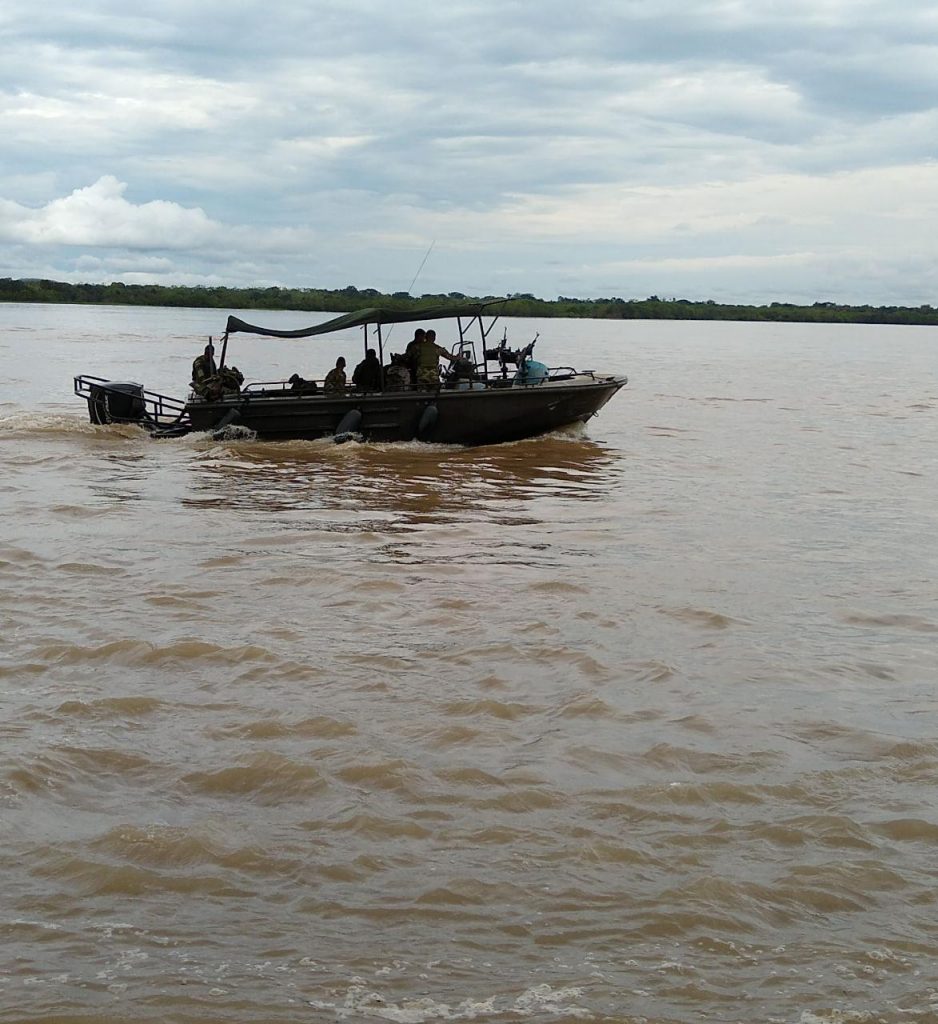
(488, 415)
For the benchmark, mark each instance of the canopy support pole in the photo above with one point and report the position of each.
(380, 351)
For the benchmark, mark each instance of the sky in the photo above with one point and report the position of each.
(736, 150)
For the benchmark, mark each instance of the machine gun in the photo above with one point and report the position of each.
(505, 356)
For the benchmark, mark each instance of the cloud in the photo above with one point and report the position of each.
(99, 215)
(330, 144)
(91, 100)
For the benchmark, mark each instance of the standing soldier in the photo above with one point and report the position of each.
(428, 360)
(412, 352)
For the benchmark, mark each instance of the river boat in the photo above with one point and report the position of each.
(490, 394)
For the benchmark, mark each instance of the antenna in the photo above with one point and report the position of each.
(426, 257)
(412, 283)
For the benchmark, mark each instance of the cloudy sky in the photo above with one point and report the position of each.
(739, 150)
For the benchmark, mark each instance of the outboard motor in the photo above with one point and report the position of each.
(116, 402)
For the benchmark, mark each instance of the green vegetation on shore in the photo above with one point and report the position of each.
(346, 299)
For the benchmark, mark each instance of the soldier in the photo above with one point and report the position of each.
(428, 360)
(210, 382)
(367, 375)
(412, 351)
(203, 369)
(335, 378)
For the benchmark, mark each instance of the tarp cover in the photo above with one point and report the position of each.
(362, 317)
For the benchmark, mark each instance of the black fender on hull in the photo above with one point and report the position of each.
(348, 426)
(428, 420)
(231, 418)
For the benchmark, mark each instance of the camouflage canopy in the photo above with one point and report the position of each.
(364, 317)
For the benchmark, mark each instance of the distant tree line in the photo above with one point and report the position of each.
(344, 300)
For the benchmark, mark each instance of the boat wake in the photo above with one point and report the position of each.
(58, 425)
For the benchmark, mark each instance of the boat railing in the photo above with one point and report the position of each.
(285, 388)
(263, 386)
(281, 388)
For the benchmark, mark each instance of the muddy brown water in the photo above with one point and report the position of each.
(631, 723)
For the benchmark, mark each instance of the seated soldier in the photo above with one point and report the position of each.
(210, 382)
(367, 375)
(203, 369)
(335, 378)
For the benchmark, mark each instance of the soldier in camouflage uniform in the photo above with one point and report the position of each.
(203, 369)
(428, 355)
(335, 378)
(211, 383)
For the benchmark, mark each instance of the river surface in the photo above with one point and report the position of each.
(635, 723)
